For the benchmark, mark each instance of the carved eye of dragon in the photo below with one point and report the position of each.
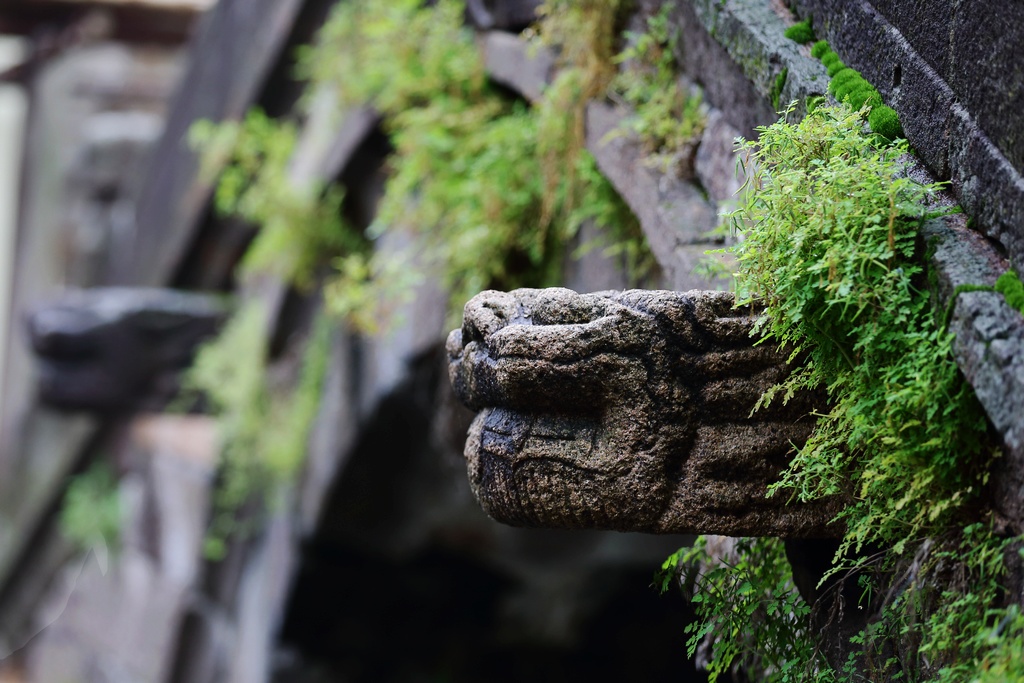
(628, 411)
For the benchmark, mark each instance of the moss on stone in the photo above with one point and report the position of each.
(777, 86)
(885, 122)
(820, 49)
(1012, 289)
(842, 78)
(862, 95)
(801, 32)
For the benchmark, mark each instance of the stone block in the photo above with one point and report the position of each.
(725, 84)
(988, 187)
(716, 159)
(987, 70)
(511, 62)
(926, 24)
(924, 103)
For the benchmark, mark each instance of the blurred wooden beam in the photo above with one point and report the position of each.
(131, 21)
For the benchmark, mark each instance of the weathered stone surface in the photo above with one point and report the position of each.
(103, 349)
(926, 23)
(737, 51)
(972, 47)
(628, 411)
(986, 71)
(509, 61)
(989, 336)
(113, 614)
(673, 213)
(507, 15)
(715, 164)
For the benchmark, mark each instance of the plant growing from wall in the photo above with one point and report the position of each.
(300, 227)
(491, 186)
(668, 117)
(90, 516)
(847, 85)
(263, 428)
(489, 189)
(830, 249)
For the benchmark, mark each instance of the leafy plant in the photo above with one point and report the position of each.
(263, 428)
(668, 117)
(838, 276)
(830, 249)
(489, 190)
(300, 227)
(751, 619)
(91, 512)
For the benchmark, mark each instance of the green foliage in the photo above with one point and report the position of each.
(748, 611)
(904, 436)
(777, 85)
(263, 428)
(1012, 289)
(91, 513)
(490, 187)
(585, 34)
(801, 32)
(488, 190)
(668, 117)
(301, 228)
(395, 55)
(830, 249)
(847, 85)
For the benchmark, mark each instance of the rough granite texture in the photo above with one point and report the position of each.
(989, 337)
(730, 46)
(628, 411)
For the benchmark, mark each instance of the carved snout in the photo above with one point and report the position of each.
(629, 411)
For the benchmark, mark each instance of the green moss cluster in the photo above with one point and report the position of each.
(848, 85)
(1012, 289)
(801, 32)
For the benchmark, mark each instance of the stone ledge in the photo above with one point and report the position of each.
(752, 35)
(673, 213)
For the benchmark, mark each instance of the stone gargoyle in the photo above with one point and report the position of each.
(108, 349)
(629, 411)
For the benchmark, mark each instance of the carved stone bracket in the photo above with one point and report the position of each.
(108, 348)
(628, 411)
